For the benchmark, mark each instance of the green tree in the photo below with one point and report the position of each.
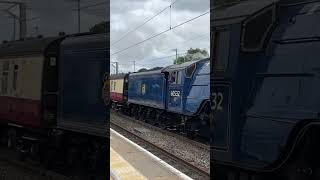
(180, 60)
(192, 55)
(102, 27)
(155, 68)
(152, 69)
(142, 70)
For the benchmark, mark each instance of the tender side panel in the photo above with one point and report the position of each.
(116, 90)
(148, 90)
(83, 67)
(20, 90)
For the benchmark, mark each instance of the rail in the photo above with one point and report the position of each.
(200, 172)
(176, 135)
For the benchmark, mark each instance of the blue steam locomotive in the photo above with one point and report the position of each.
(175, 97)
(265, 90)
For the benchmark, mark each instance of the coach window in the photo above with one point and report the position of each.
(256, 29)
(220, 49)
(178, 77)
(5, 77)
(15, 76)
(114, 85)
(175, 77)
(137, 87)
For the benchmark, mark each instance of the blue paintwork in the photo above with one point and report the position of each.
(193, 91)
(155, 88)
(199, 91)
(82, 65)
(269, 93)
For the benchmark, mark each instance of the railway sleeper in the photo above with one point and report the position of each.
(28, 146)
(12, 138)
(59, 150)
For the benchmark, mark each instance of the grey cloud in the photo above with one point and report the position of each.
(124, 19)
(192, 5)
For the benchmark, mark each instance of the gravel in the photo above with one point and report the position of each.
(13, 169)
(190, 152)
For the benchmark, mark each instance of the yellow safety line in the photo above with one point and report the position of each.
(122, 168)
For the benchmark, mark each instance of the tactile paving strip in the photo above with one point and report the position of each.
(122, 169)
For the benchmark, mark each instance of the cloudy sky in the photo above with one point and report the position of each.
(126, 15)
(49, 17)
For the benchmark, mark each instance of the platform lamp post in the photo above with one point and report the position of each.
(176, 53)
(79, 16)
(21, 18)
(116, 65)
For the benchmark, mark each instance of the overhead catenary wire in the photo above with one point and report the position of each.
(170, 28)
(37, 7)
(185, 41)
(153, 60)
(92, 5)
(163, 57)
(29, 19)
(180, 45)
(160, 58)
(163, 32)
(152, 65)
(71, 8)
(139, 58)
(82, 7)
(145, 22)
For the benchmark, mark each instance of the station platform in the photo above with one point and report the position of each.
(129, 161)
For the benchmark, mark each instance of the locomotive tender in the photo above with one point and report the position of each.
(265, 90)
(176, 96)
(51, 97)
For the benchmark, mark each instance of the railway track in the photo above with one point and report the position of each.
(180, 164)
(179, 136)
(13, 169)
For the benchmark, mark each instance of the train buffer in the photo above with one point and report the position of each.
(130, 161)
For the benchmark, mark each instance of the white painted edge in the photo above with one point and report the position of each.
(163, 163)
(114, 175)
(15, 125)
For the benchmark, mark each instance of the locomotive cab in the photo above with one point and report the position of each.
(187, 86)
(188, 94)
(235, 52)
(175, 89)
(263, 55)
